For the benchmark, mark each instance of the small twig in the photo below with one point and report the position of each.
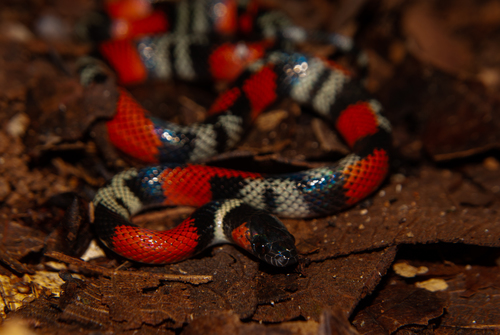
(192, 279)
(13, 263)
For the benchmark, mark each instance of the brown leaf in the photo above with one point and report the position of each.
(229, 323)
(332, 284)
(20, 240)
(331, 323)
(168, 305)
(431, 41)
(397, 305)
(234, 279)
(479, 278)
(460, 127)
(107, 303)
(479, 311)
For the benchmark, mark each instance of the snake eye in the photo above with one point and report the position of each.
(261, 248)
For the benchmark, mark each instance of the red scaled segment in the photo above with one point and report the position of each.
(365, 176)
(356, 122)
(247, 18)
(260, 89)
(131, 131)
(156, 247)
(128, 9)
(190, 185)
(225, 100)
(225, 14)
(125, 59)
(241, 236)
(229, 60)
(154, 24)
(245, 23)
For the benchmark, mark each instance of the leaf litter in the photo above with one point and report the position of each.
(443, 191)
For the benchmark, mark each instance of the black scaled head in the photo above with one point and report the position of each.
(271, 241)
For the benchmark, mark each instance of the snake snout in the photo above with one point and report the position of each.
(271, 241)
(284, 258)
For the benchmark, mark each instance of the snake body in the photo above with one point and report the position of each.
(235, 206)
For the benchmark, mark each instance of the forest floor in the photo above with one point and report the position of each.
(421, 255)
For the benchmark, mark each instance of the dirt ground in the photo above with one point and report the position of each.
(421, 255)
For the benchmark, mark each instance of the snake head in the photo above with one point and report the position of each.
(270, 241)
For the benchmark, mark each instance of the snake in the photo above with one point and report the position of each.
(233, 206)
